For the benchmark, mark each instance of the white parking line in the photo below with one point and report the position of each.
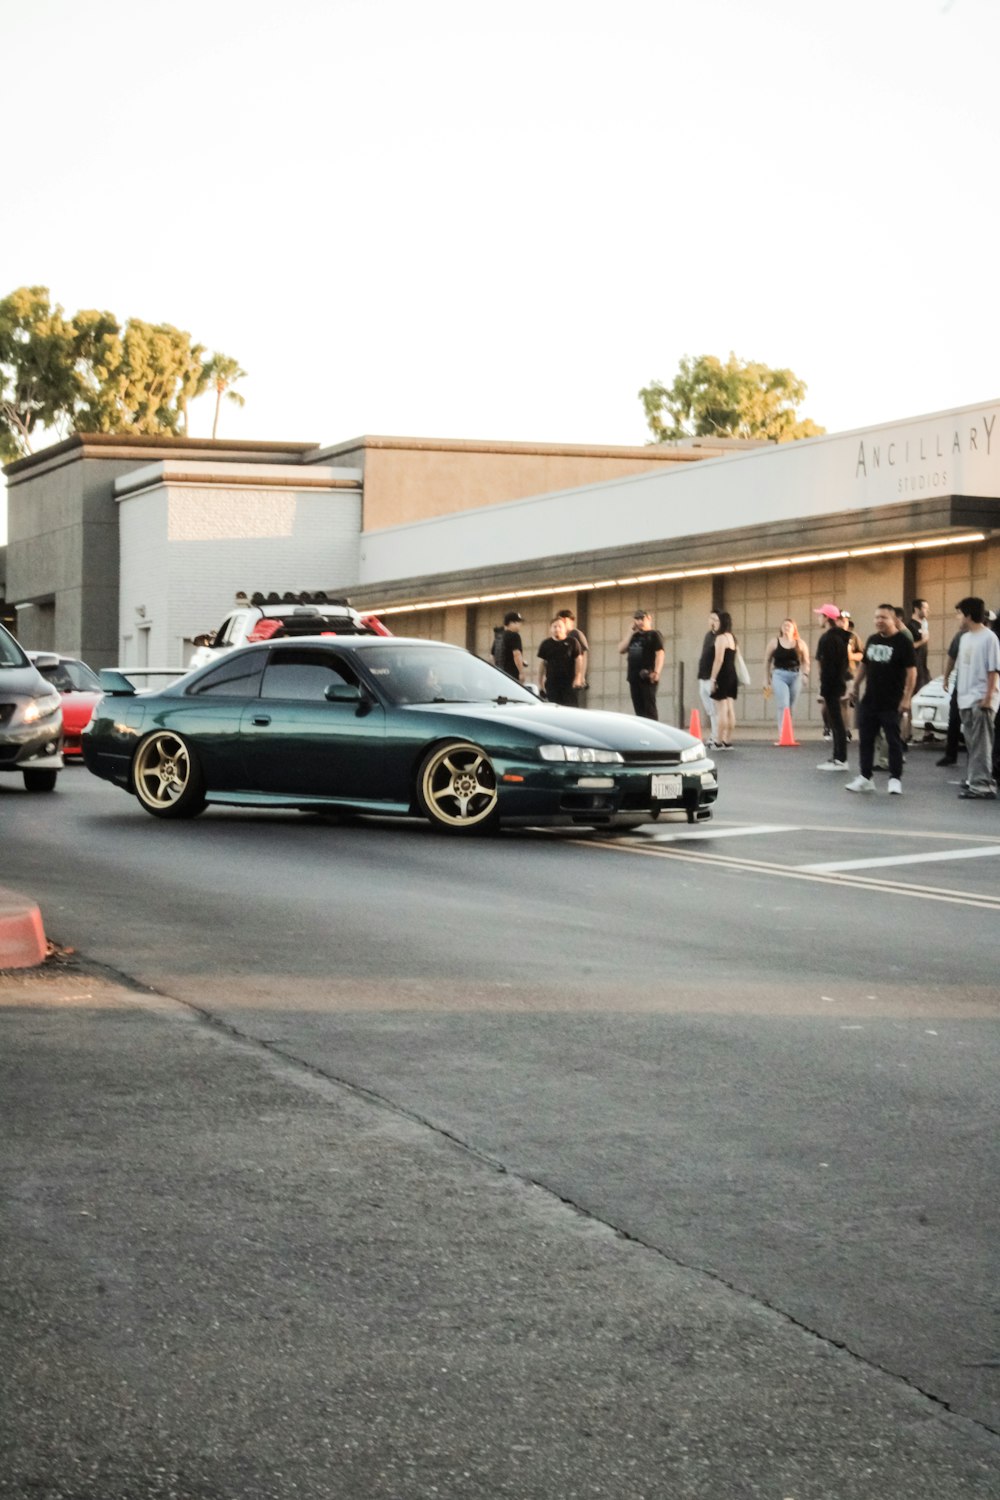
(717, 833)
(899, 859)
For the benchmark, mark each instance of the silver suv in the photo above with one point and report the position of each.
(30, 719)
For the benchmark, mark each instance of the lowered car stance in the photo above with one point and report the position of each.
(390, 726)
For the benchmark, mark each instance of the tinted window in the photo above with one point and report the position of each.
(439, 674)
(11, 654)
(236, 677)
(304, 675)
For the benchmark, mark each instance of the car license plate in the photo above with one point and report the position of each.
(666, 788)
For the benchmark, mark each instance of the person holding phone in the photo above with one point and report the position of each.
(643, 648)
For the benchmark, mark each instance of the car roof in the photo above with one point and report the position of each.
(352, 642)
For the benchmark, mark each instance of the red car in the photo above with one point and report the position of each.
(79, 689)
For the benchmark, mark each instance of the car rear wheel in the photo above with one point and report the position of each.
(457, 788)
(40, 781)
(166, 777)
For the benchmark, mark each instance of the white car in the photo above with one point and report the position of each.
(929, 709)
(277, 616)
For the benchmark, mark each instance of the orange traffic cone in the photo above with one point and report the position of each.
(695, 726)
(787, 736)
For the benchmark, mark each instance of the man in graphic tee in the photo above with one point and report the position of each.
(888, 672)
(560, 670)
(643, 647)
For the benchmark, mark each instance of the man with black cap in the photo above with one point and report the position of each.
(511, 652)
(643, 647)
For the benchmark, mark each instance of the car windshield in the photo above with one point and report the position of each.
(11, 654)
(439, 674)
(71, 677)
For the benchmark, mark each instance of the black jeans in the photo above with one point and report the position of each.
(643, 697)
(835, 719)
(870, 721)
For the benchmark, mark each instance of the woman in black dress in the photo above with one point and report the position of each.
(725, 684)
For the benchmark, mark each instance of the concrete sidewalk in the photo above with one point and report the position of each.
(224, 1275)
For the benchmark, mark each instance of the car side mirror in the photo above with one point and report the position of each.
(343, 692)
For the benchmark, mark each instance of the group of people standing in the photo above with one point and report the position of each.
(890, 667)
(562, 657)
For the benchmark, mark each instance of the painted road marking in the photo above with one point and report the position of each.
(716, 833)
(790, 872)
(900, 859)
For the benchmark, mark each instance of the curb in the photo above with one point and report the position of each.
(22, 936)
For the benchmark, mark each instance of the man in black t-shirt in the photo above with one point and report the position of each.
(560, 671)
(888, 671)
(511, 650)
(643, 647)
(832, 655)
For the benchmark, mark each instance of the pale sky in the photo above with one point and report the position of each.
(455, 220)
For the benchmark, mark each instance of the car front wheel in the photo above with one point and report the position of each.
(457, 788)
(166, 777)
(40, 781)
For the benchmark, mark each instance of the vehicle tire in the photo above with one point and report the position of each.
(40, 781)
(166, 777)
(457, 788)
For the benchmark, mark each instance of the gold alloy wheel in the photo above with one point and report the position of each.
(166, 779)
(457, 787)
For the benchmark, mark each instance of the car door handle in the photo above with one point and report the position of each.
(261, 719)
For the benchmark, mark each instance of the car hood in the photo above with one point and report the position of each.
(23, 682)
(571, 726)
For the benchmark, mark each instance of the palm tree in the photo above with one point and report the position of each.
(223, 373)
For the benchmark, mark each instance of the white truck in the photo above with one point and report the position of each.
(263, 617)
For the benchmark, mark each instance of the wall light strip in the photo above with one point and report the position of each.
(749, 567)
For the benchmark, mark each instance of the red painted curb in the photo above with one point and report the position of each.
(22, 936)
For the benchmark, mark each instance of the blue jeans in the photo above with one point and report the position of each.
(786, 687)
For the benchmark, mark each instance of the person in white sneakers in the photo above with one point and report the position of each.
(833, 656)
(888, 672)
(978, 692)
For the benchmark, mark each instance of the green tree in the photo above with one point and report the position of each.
(222, 374)
(738, 398)
(38, 380)
(88, 374)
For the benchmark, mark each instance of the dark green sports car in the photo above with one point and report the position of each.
(388, 725)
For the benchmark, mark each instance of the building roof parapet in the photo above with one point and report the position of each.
(191, 473)
(118, 445)
(690, 451)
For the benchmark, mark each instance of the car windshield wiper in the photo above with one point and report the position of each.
(511, 702)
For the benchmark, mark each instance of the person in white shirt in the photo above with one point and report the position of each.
(977, 672)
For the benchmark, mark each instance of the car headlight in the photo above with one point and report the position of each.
(581, 755)
(694, 752)
(41, 708)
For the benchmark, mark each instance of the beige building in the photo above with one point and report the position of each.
(123, 551)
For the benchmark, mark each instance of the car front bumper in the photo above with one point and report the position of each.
(32, 746)
(605, 796)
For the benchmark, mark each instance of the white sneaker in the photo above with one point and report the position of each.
(833, 765)
(860, 784)
(895, 786)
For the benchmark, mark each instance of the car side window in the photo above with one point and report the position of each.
(304, 675)
(236, 677)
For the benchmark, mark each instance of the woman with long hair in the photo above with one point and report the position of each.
(725, 684)
(786, 668)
